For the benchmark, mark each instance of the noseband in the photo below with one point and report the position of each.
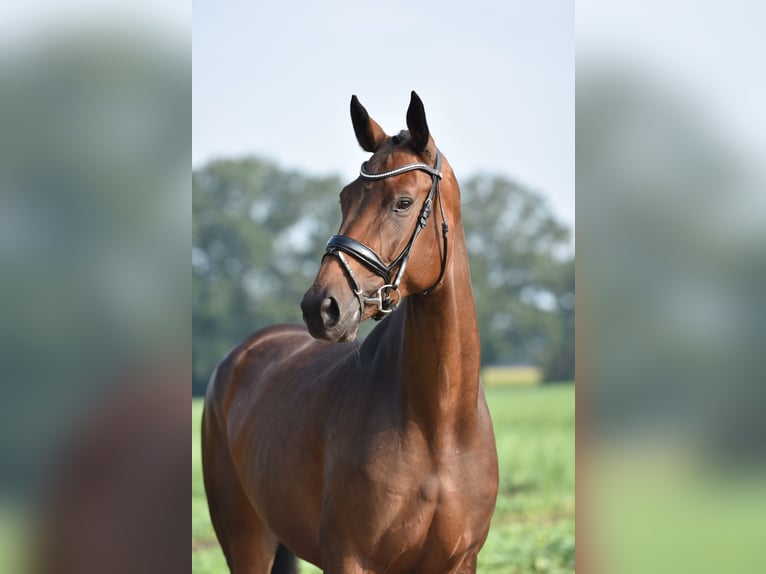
(388, 297)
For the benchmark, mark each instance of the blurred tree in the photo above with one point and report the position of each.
(259, 233)
(257, 237)
(559, 363)
(522, 269)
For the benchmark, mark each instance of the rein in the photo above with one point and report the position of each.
(388, 297)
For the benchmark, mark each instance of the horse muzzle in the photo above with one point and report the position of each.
(329, 317)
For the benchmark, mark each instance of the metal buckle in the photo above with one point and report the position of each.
(384, 301)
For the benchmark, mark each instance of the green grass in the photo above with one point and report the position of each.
(533, 526)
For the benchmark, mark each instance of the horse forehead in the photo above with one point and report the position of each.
(385, 159)
(357, 191)
(362, 189)
(390, 156)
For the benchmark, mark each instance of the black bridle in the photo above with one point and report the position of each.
(387, 297)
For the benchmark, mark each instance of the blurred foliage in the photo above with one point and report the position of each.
(670, 191)
(675, 250)
(94, 233)
(522, 274)
(93, 226)
(259, 232)
(258, 235)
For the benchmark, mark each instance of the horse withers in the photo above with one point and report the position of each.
(376, 457)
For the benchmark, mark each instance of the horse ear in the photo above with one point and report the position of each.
(416, 123)
(368, 133)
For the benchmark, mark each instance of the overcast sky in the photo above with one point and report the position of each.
(496, 78)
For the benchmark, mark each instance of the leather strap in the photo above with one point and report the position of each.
(360, 251)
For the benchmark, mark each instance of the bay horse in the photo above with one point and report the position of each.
(376, 457)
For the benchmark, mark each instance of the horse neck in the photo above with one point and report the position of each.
(441, 351)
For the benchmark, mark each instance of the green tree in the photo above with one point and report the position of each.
(522, 271)
(257, 238)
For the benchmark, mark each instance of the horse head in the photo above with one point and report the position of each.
(379, 255)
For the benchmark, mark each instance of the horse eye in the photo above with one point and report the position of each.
(403, 204)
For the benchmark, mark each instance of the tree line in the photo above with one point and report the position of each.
(258, 234)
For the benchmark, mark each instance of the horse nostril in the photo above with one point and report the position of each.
(330, 311)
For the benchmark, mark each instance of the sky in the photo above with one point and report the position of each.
(710, 52)
(274, 79)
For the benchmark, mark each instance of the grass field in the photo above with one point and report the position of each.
(533, 526)
(496, 376)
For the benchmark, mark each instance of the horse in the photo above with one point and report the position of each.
(376, 457)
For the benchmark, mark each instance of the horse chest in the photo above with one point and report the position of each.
(400, 514)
